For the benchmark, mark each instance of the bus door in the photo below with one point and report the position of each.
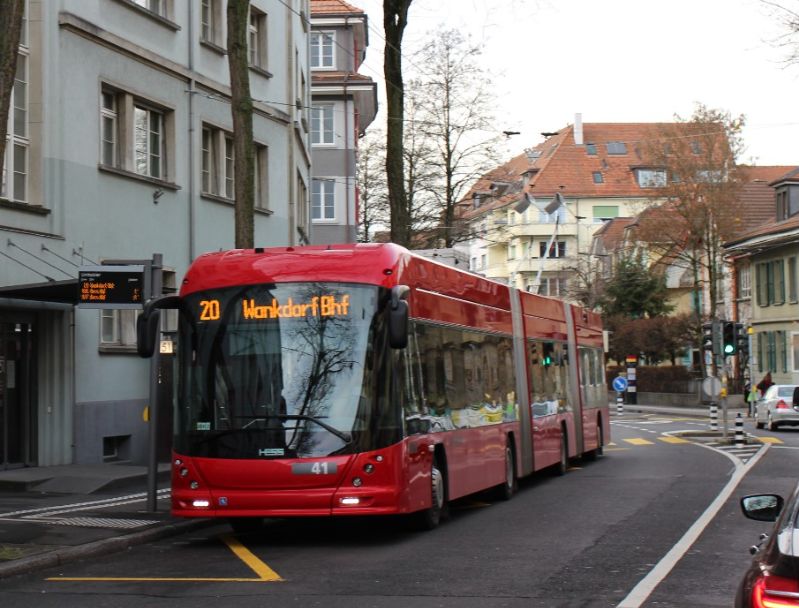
(544, 403)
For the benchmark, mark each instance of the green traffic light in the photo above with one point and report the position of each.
(729, 349)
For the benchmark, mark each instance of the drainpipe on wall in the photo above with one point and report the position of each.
(190, 32)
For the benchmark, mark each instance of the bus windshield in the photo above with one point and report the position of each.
(284, 371)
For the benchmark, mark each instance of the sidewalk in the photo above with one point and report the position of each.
(53, 515)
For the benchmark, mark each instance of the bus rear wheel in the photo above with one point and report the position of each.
(508, 488)
(563, 464)
(429, 518)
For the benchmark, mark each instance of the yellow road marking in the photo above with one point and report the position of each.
(769, 440)
(264, 572)
(639, 441)
(670, 439)
(616, 449)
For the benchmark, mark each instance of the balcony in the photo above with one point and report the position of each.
(545, 230)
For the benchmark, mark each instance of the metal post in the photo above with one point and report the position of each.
(724, 430)
(714, 417)
(739, 431)
(619, 404)
(156, 288)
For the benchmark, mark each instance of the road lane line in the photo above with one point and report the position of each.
(264, 572)
(769, 440)
(647, 585)
(670, 439)
(639, 441)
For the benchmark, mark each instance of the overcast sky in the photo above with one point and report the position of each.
(619, 61)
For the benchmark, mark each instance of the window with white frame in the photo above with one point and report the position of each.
(230, 161)
(552, 286)
(261, 176)
(148, 141)
(322, 125)
(556, 250)
(302, 202)
(322, 50)
(108, 129)
(15, 167)
(210, 20)
(559, 216)
(323, 199)
(792, 295)
(745, 281)
(137, 143)
(118, 327)
(257, 38)
(217, 163)
(159, 7)
(651, 178)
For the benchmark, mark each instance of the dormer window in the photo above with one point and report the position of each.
(616, 147)
(651, 178)
(787, 198)
(590, 149)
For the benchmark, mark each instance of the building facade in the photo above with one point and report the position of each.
(344, 105)
(119, 148)
(534, 217)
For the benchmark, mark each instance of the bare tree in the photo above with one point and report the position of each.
(455, 103)
(238, 21)
(373, 211)
(789, 19)
(395, 18)
(11, 14)
(698, 177)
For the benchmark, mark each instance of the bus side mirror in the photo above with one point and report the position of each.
(147, 323)
(146, 332)
(398, 317)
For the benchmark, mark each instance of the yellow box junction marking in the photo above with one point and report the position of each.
(670, 439)
(638, 441)
(264, 572)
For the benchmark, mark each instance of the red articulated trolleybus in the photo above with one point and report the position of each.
(366, 380)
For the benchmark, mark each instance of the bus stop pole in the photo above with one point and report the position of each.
(155, 272)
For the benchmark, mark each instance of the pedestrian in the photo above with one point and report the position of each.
(765, 383)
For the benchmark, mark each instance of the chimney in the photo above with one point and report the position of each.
(578, 129)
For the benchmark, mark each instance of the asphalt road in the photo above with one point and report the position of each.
(606, 530)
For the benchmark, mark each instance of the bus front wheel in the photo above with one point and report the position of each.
(429, 518)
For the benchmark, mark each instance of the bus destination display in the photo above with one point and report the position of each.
(110, 286)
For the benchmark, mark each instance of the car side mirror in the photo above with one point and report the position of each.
(762, 507)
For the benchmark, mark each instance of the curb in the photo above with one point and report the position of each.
(100, 547)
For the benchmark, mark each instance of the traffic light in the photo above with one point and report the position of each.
(711, 337)
(707, 337)
(728, 338)
(742, 340)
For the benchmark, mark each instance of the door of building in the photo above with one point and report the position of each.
(17, 416)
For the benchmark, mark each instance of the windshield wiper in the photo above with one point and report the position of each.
(345, 437)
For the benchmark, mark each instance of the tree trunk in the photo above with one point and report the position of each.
(395, 18)
(241, 109)
(10, 30)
